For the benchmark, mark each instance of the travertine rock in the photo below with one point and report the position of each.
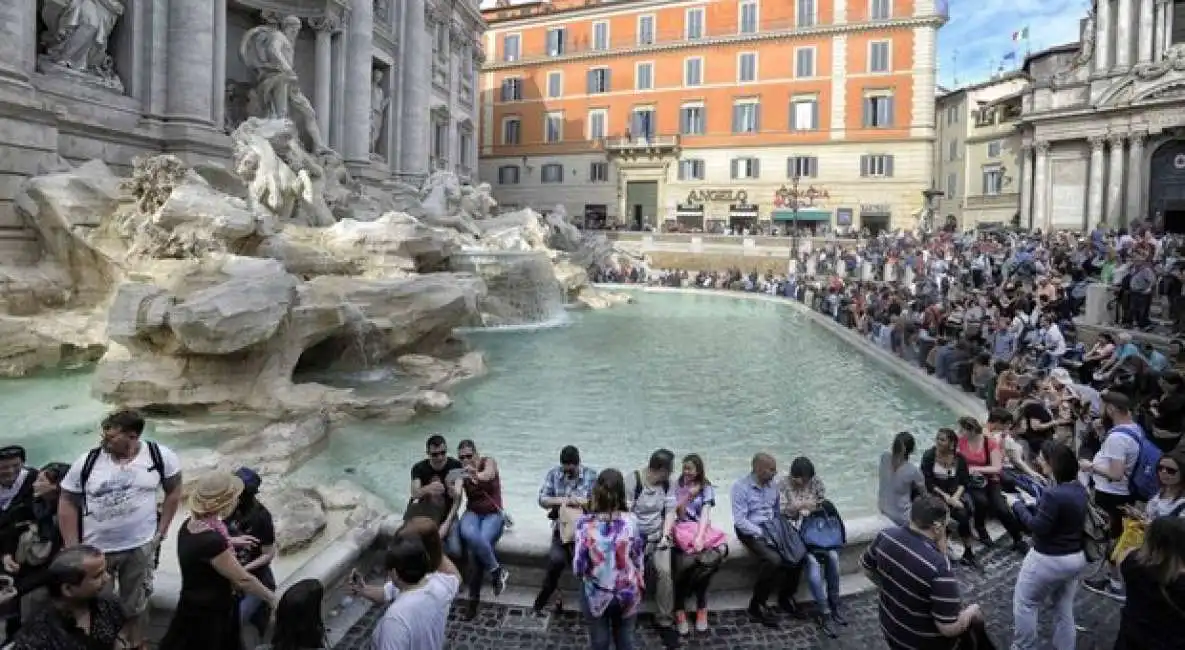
(393, 240)
(281, 447)
(298, 516)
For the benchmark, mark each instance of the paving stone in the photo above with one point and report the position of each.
(502, 627)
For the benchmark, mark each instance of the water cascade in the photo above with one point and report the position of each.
(522, 287)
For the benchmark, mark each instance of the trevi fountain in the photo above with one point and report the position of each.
(213, 293)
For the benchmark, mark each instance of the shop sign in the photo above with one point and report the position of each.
(784, 197)
(843, 216)
(876, 208)
(696, 197)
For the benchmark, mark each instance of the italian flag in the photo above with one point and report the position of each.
(1022, 35)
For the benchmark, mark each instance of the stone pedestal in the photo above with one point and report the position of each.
(890, 272)
(812, 266)
(1097, 297)
(792, 267)
(908, 278)
(866, 273)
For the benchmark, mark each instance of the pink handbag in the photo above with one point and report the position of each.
(686, 531)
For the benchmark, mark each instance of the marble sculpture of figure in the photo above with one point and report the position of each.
(268, 53)
(78, 31)
(378, 109)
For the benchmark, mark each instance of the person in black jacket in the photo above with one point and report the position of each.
(16, 511)
(38, 543)
(947, 476)
(1052, 566)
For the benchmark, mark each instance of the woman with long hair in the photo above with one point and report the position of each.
(253, 537)
(207, 614)
(1052, 566)
(1154, 576)
(801, 494)
(299, 625)
(37, 544)
(1170, 500)
(985, 462)
(947, 477)
(899, 480)
(696, 496)
(609, 560)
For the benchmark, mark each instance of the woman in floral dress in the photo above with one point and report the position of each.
(608, 560)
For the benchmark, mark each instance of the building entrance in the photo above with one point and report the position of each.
(641, 202)
(1166, 187)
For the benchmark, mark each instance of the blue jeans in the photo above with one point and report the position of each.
(816, 575)
(610, 629)
(247, 607)
(480, 533)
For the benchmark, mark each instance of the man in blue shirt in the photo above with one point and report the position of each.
(1155, 358)
(755, 501)
(565, 493)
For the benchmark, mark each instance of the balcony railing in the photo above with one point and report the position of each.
(619, 143)
(586, 44)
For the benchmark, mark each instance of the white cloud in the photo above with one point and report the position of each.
(980, 32)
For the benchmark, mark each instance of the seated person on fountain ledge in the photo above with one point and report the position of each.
(436, 484)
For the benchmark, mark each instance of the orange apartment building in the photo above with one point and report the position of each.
(704, 112)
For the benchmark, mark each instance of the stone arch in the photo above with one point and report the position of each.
(1165, 181)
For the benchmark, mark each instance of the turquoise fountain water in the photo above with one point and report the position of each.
(719, 376)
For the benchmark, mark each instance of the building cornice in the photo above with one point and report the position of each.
(723, 39)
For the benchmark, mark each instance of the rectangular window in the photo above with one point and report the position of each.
(465, 143)
(440, 140)
(643, 123)
(691, 120)
(952, 115)
(748, 17)
(554, 127)
(512, 130)
(878, 56)
(693, 72)
(508, 175)
(878, 112)
(746, 118)
(600, 36)
(994, 149)
(511, 46)
(598, 172)
(804, 62)
(877, 165)
(952, 186)
(880, 9)
(645, 30)
(802, 167)
(993, 181)
(695, 24)
(644, 79)
(691, 170)
(747, 67)
(598, 81)
(746, 168)
(555, 84)
(805, 13)
(954, 151)
(512, 89)
(597, 122)
(804, 114)
(557, 41)
(551, 173)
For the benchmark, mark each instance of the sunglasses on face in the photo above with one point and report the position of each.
(465, 456)
(1171, 471)
(437, 454)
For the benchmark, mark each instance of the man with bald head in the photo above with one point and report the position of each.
(755, 501)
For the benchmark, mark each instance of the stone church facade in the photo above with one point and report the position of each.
(393, 84)
(1103, 122)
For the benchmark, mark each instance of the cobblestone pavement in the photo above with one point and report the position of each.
(512, 627)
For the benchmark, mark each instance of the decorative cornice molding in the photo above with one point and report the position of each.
(724, 39)
(1042, 147)
(1097, 142)
(1116, 139)
(329, 24)
(1139, 137)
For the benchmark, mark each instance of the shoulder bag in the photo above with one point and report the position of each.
(823, 529)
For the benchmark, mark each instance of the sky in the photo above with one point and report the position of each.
(979, 35)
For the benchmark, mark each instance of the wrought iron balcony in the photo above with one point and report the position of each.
(625, 143)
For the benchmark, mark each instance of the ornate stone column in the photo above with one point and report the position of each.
(1026, 184)
(1123, 34)
(190, 62)
(1144, 44)
(1094, 205)
(1158, 30)
(323, 81)
(1041, 187)
(416, 90)
(17, 18)
(1136, 188)
(1102, 41)
(219, 86)
(359, 63)
(1115, 181)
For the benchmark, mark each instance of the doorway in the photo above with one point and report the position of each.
(641, 204)
(1166, 188)
(1174, 220)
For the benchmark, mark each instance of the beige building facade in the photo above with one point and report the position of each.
(978, 152)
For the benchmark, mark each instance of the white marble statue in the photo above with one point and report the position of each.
(269, 52)
(76, 37)
(378, 110)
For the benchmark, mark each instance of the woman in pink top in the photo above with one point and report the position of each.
(985, 461)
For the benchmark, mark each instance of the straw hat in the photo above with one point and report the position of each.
(215, 493)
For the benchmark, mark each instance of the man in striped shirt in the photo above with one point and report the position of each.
(920, 607)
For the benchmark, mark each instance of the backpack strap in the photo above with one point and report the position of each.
(1176, 512)
(158, 460)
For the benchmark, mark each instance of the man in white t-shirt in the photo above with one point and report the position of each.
(1110, 470)
(420, 596)
(111, 492)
